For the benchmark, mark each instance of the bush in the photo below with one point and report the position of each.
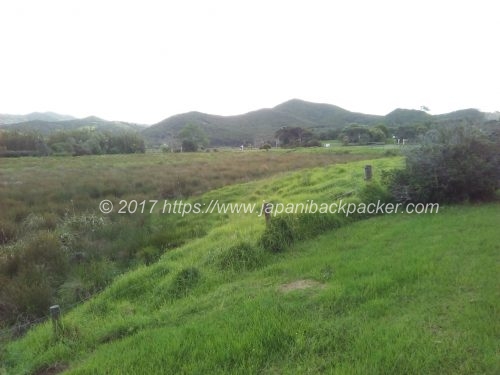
(392, 152)
(149, 254)
(189, 146)
(266, 147)
(7, 232)
(313, 143)
(44, 254)
(451, 164)
(373, 192)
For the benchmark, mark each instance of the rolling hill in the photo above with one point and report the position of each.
(46, 127)
(41, 116)
(259, 126)
(254, 127)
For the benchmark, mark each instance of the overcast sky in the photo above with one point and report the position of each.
(143, 61)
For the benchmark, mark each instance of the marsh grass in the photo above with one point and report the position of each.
(60, 196)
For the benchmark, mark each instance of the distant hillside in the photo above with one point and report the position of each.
(402, 117)
(254, 127)
(325, 115)
(259, 125)
(42, 116)
(47, 127)
(469, 115)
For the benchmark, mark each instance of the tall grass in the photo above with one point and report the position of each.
(60, 196)
(390, 295)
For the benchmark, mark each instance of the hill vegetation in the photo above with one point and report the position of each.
(256, 128)
(47, 127)
(86, 141)
(325, 121)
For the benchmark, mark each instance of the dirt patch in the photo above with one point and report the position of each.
(52, 370)
(300, 284)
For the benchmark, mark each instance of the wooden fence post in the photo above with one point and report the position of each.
(368, 172)
(267, 212)
(55, 315)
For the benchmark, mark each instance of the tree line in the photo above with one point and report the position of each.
(75, 142)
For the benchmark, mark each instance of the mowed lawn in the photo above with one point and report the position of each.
(397, 294)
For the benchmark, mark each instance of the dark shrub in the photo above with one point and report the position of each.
(451, 164)
(189, 146)
(149, 254)
(266, 147)
(373, 192)
(7, 232)
(313, 143)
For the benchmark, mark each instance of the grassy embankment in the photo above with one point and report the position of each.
(393, 294)
(55, 245)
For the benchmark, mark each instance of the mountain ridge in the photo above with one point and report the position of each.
(255, 127)
(47, 127)
(6, 119)
(260, 125)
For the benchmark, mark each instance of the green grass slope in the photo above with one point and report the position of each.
(395, 294)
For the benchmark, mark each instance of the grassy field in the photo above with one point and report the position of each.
(55, 245)
(398, 294)
(56, 184)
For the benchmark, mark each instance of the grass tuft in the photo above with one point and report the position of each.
(241, 257)
(184, 281)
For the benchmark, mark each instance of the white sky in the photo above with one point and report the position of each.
(145, 60)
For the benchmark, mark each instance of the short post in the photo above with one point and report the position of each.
(266, 208)
(55, 315)
(368, 172)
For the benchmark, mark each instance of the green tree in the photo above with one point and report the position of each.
(192, 138)
(293, 136)
(384, 130)
(377, 135)
(355, 133)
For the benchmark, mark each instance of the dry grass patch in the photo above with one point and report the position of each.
(300, 285)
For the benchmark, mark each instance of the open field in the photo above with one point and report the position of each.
(389, 295)
(55, 245)
(57, 184)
